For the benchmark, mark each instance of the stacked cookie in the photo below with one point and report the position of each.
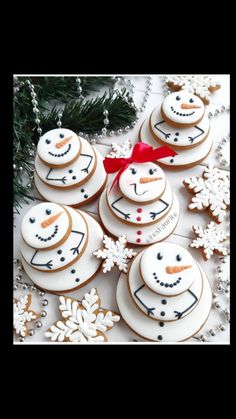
(141, 205)
(68, 170)
(57, 246)
(166, 296)
(182, 123)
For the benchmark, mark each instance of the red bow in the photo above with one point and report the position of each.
(142, 153)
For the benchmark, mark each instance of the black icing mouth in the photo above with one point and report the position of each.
(166, 284)
(62, 154)
(135, 189)
(45, 239)
(180, 113)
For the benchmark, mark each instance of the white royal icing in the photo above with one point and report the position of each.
(149, 233)
(168, 269)
(138, 182)
(78, 195)
(155, 305)
(120, 150)
(60, 257)
(136, 213)
(210, 240)
(84, 268)
(51, 150)
(199, 85)
(150, 329)
(37, 233)
(184, 157)
(181, 137)
(72, 175)
(22, 315)
(183, 107)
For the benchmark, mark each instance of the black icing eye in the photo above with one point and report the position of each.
(179, 258)
(48, 141)
(191, 100)
(61, 135)
(32, 220)
(133, 171)
(178, 97)
(48, 211)
(152, 171)
(159, 256)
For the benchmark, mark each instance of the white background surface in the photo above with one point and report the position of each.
(183, 234)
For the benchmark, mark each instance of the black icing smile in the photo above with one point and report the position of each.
(166, 284)
(45, 239)
(62, 154)
(135, 189)
(180, 113)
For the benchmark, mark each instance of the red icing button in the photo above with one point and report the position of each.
(139, 232)
(138, 240)
(138, 218)
(139, 210)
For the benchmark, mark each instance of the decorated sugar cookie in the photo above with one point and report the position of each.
(59, 147)
(22, 314)
(155, 305)
(46, 225)
(64, 255)
(168, 269)
(182, 109)
(209, 240)
(72, 175)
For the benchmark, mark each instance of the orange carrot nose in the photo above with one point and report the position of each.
(63, 142)
(148, 179)
(176, 269)
(50, 220)
(188, 106)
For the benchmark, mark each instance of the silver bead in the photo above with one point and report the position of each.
(33, 94)
(60, 115)
(28, 82)
(18, 277)
(81, 134)
(222, 327)
(78, 80)
(212, 332)
(15, 287)
(106, 121)
(31, 332)
(111, 133)
(14, 166)
(104, 131)
(127, 128)
(21, 339)
(41, 293)
(210, 115)
(15, 261)
(33, 288)
(119, 131)
(133, 124)
(43, 313)
(45, 302)
(29, 185)
(142, 109)
(228, 319)
(93, 141)
(20, 268)
(20, 168)
(59, 124)
(34, 102)
(38, 324)
(219, 288)
(203, 338)
(217, 305)
(24, 286)
(214, 295)
(217, 111)
(37, 120)
(35, 110)
(79, 89)
(226, 291)
(227, 311)
(223, 108)
(39, 131)
(105, 112)
(219, 269)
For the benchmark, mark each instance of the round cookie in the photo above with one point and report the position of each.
(184, 158)
(153, 330)
(182, 109)
(139, 235)
(46, 226)
(138, 214)
(168, 269)
(78, 274)
(66, 254)
(72, 175)
(59, 147)
(142, 182)
(78, 196)
(159, 307)
(186, 137)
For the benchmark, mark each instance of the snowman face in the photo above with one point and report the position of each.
(45, 225)
(168, 269)
(142, 182)
(183, 107)
(59, 146)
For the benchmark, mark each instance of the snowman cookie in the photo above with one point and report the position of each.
(46, 226)
(59, 147)
(63, 255)
(73, 175)
(161, 308)
(183, 137)
(182, 109)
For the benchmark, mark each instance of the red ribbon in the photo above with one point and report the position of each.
(142, 153)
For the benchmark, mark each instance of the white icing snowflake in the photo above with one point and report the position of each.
(223, 152)
(201, 86)
(22, 315)
(85, 321)
(210, 239)
(115, 253)
(123, 150)
(210, 191)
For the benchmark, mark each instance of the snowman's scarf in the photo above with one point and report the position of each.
(142, 153)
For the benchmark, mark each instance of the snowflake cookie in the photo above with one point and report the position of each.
(84, 322)
(201, 86)
(211, 192)
(22, 315)
(210, 240)
(123, 150)
(115, 253)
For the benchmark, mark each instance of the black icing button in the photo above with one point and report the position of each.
(171, 160)
(73, 177)
(77, 280)
(70, 171)
(163, 301)
(163, 313)
(59, 252)
(62, 259)
(72, 271)
(161, 324)
(85, 196)
(159, 337)
(82, 190)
